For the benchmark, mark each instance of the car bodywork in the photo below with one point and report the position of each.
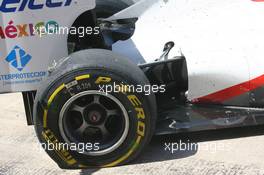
(215, 65)
(222, 44)
(35, 52)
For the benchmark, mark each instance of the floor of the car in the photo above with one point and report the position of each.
(176, 116)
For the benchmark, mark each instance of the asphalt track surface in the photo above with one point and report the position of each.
(225, 152)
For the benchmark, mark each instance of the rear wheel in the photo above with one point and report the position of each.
(86, 126)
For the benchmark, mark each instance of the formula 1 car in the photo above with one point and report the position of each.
(98, 82)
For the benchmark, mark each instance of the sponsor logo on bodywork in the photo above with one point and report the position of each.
(13, 31)
(18, 58)
(9, 6)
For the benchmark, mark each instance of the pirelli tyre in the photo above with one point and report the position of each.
(80, 125)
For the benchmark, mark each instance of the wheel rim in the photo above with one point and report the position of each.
(94, 117)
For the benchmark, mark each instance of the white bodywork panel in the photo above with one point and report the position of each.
(222, 41)
(43, 50)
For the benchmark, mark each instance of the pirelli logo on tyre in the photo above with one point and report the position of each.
(140, 114)
(63, 154)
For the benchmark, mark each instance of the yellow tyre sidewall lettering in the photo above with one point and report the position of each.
(63, 154)
(103, 80)
(50, 138)
(140, 114)
(140, 129)
(136, 103)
